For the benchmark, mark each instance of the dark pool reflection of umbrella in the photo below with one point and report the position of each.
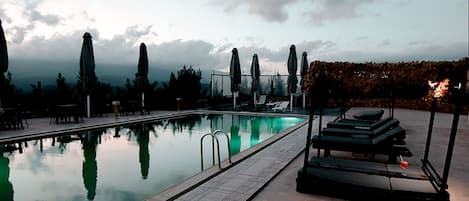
(255, 74)
(6, 188)
(90, 165)
(142, 74)
(292, 80)
(235, 139)
(3, 60)
(143, 138)
(235, 75)
(303, 71)
(87, 69)
(255, 131)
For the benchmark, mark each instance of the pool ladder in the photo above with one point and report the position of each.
(214, 139)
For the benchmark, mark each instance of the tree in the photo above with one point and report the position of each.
(9, 93)
(63, 92)
(279, 85)
(186, 85)
(38, 96)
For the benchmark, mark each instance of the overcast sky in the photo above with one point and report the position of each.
(202, 33)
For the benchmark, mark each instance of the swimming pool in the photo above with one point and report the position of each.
(125, 163)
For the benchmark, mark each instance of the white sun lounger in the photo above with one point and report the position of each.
(281, 107)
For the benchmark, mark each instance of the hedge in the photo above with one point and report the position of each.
(407, 81)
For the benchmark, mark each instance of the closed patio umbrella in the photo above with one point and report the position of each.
(255, 74)
(292, 80)
(87, 74)
(303, 71)
(3, 61)
(142, 73)
(235, 75)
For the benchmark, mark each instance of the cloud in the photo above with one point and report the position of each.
(429, 52)
(361, 38)
(136, 32)
(4, 16)
(122, 49)
(417, 42)
(32, 13)
(332, 10)
(320, 11)
(18, 33)
(384, 43)
(270, 10)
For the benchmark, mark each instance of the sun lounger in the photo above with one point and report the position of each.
(369, 167)
(281, 107)
(364, 129)
(365, 185)
(382, 143)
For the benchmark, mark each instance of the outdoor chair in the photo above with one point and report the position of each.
(260, 104)
(261, 101)
(12, 118)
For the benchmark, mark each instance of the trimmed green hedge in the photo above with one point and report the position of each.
(406, 80)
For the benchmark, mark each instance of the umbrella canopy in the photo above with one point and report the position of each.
(304, 69)
(255, 73)
(3, 52)
(235, 71)
(87, 66)
(142, 73)
(292, 66)
(3, 61)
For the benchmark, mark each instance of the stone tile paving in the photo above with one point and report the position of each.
(243, 180)
(415, 122)
(43, 126)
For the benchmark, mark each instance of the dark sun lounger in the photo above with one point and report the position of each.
(380, 144)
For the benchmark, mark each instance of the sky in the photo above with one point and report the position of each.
(202, 33)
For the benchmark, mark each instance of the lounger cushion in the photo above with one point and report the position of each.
(371, 133)
(357, 123)
(369, 115)
(352, 178)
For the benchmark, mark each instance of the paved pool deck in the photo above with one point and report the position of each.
(38, 127)
(415, 122)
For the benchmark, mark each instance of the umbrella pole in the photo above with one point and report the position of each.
(88, 111)
(254, 98)
(291, 102)
(143, 102)
(234, 100)
(304, 100)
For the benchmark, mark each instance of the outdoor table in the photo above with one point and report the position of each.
(11, 118)
(66, 112)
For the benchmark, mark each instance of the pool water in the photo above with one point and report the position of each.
(124, 163)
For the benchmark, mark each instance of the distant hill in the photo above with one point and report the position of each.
(27, 72)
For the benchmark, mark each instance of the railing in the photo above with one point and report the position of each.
(214, 139)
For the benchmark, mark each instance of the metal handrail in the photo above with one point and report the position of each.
(227, 142)
(214, 139)
(202, 150)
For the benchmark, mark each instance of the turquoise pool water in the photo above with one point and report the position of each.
(124, 163)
